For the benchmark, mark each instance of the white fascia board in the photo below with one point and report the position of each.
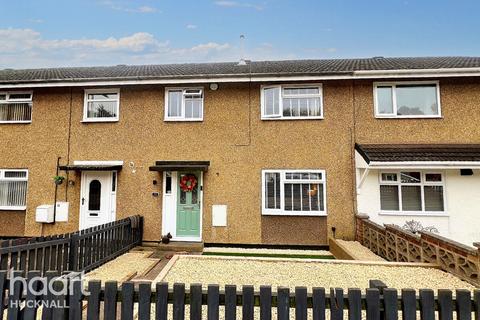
(98, 163)
(417, 73)
(425, 165)
(106, 83)
(360, 162)
(368, 74)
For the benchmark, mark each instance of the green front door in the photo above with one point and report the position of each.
(188, 204)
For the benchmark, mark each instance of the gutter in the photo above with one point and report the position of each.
(424, 164)
(247, 77)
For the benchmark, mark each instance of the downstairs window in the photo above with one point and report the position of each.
(412, 191)
(293, 192)
(13, 189)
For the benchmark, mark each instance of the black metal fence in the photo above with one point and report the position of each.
(79, 251)
(130, 301)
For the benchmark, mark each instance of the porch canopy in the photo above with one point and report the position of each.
(419, 156)
(93, 166)
(180, 165)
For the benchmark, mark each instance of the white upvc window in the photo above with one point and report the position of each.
(16, 107)
(184, 104)
(293, 192)
(13, 189)
(412, 191)
(292, 102)
(407, 99)
(101, 105)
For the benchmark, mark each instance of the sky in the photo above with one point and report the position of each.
(53, 33)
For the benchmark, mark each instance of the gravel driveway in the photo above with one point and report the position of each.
(206, 270)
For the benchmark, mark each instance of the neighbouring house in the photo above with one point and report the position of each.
(266, 152)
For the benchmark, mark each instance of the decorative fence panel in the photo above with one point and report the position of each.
(141, 301)
(79, 251)
(396, 244)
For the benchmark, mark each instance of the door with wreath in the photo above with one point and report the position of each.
(188, 204)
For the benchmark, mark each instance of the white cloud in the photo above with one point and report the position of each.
(27, 48)
(22, 48)
(191, 26)
(35, 20)
(237, 4)
(120, 6)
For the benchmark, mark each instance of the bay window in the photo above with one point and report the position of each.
(407, 100)
(13, 189)
(293, 192)
(412, 191)
(292, 102)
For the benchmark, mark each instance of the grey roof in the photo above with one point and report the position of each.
(418, 152)
(231, 69)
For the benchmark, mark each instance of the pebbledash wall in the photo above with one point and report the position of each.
(460, 103)
(232, 137)
(238, 145)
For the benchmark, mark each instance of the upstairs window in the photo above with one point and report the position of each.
(185, 104)
(294, 192)
(407, 100)
(13, 189)
(101, 105)
(292, 102)
(15, 107)
(412, 191)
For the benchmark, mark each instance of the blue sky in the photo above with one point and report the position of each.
(52, 33)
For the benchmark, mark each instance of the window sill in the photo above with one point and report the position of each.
(13, 208)
(292, 118)
(295, 214)
(415, 213)
(408, 117)
(182, 120)
(15, 122)
(98, 120)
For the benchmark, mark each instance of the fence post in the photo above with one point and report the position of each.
(380, 285)
(140, 231)
(73, 253)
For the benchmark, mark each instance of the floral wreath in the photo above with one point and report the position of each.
(188, 182)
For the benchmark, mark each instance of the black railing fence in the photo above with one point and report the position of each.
(144, 301)
(78, 251)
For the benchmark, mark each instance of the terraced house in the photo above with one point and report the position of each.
(267, 152)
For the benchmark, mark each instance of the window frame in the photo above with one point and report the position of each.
(280, 116)
(2, 178)
(97, 91)
(394, 84)
(422, 184)
(283, 180)
(182, 117)
(7, 100)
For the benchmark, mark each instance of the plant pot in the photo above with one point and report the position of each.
(58, 182)
(165, 240)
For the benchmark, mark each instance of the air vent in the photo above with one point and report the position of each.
(466, 172)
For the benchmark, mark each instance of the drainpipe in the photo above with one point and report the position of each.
(55, 198)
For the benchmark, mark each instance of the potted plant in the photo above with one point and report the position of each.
(58, 180)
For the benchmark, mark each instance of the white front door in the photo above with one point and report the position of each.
(97, 198)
